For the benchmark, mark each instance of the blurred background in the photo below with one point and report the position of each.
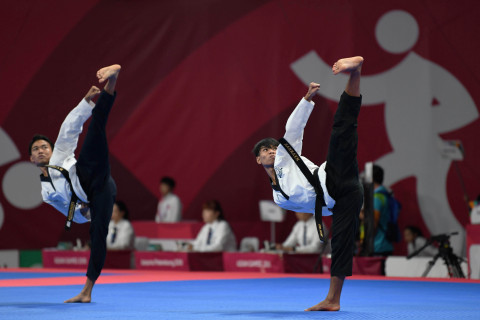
(203, 81)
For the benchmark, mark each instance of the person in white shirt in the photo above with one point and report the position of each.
(84, 187)
(169, 209)
(334, 187)
(415, 240)
(120, 231)
(304, 237)
(216, 235)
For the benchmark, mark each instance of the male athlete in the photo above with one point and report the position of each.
(84, 185)
(334, 187)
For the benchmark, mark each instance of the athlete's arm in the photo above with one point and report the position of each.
(299, 117)
(70, 130)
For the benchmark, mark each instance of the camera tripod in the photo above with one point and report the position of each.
(445, 251)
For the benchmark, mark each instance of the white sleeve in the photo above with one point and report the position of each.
(431, 251)
(197, 243)
(174, 213)
(428, 251)
(291, 240)
(410, 248)
(312, 246)
(124, 237)
(178, 212)
(296, 124)
(71, 128)
(158, 214)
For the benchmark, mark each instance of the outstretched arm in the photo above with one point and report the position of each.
(456, 107)
(71, 128)
(298, 119)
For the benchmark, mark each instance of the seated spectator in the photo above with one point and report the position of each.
(304, 236)
(415, 240)
(120, 232)
(169, 209)
(216, 234)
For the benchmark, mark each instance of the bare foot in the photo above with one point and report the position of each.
(325, 306)
(348, 65)
(81, 298)
(108, 72)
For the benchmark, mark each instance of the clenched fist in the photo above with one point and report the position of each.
(92, 93)
(312, 91)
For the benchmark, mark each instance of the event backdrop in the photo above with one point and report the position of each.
(202, 81)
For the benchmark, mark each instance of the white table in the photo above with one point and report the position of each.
(414, 267)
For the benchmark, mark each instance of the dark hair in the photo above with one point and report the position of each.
(122, 207)
(267, 142)
(377, 174)
(35, 139)
(415, 230)
(215, 206)
(168, 181)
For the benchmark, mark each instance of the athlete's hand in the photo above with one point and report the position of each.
(92, 93)
(85, 210)
(312, 91)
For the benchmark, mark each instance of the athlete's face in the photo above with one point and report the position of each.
(41, 153)
(266, 156)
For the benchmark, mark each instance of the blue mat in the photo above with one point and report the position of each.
(246, 299)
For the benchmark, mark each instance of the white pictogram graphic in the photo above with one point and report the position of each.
(413, 124)
(20, 184)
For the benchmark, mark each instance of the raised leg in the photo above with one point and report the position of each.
(342, 182)
(93, 165)
(342, 151)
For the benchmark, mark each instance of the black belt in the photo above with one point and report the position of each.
(73, 200)
(314, 181)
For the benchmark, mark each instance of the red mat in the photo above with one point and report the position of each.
(132, 276)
